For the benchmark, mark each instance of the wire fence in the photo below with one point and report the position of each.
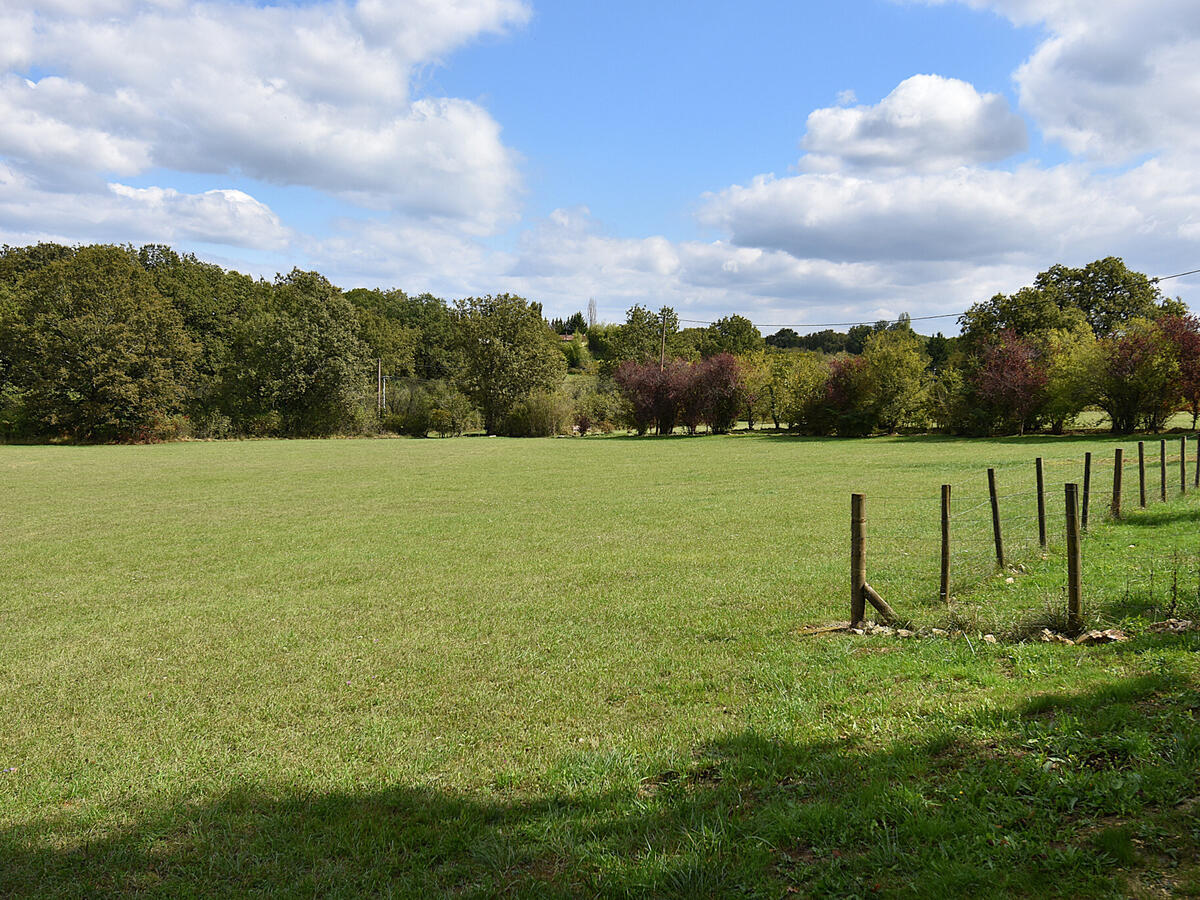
(1024, 524)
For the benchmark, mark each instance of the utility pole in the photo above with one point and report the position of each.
(379, 387)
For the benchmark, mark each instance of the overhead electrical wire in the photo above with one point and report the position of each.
(953, 315)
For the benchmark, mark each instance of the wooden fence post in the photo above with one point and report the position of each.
(860, 591)
(1041, 492)
(858, 558)
(1142, 473)
(996, 518)
(1162, 465)
(1087, 487)
(1183, 464)
(945, 543)
(1118, 470)
(1074, 585)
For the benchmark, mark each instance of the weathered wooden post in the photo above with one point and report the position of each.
(1118, 468)
(1041, 492)
(1162, 465)
(1183, 464)
(996, 518)
(860, 590)
(858, 558)
(1074, 584)
(1087, 487)
(1142, 473)
(945, 592)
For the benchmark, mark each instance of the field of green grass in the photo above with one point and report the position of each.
(578, 667)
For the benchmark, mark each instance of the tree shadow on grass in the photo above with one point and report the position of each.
(1079, 795)
(1163, 514)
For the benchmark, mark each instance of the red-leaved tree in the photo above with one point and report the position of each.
(1010, 381)
(1183, 334)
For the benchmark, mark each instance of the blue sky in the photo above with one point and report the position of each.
(636, 112)
(792, 162)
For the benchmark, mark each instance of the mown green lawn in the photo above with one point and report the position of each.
(578, 667)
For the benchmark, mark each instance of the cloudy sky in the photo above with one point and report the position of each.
(794, 162)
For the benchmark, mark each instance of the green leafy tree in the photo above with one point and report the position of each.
(573, 324)
(940, 349)
(756, 376)
(896, 362)
(856, 338)
(300, 365)
(946, 401)
(1105, 291)
(641, 338)
(575, 352)
(805, 376)
(1030, 311)
(687, 343)
(451, 412)
(18, 262)
(1072, 362)
(1105, 294)
(93, 351)
(731, 334)
(390, 342)
(779, 364)
(508, 353)
(423, 323)
(212, 304)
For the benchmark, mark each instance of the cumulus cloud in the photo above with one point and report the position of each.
(1111, 81)
(569, 257)
(905, 186)
(314, 95)
(119, 213)
(968, 214)
(928, 122)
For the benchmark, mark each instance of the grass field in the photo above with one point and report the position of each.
(575, 667)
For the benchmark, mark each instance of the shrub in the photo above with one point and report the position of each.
(541, 414)
(723, 394)
(214, 425)
(688, 393)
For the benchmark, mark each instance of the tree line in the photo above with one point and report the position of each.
(109, 343)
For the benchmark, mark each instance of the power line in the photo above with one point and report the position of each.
(843, 324)
(1169, 277)
(953, 315)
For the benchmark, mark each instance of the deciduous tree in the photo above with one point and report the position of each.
(508, 352)
(95, 352)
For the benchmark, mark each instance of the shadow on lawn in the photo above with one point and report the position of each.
(1082, 795)
(1162, 514)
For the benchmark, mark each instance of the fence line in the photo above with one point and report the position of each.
(1024, 522)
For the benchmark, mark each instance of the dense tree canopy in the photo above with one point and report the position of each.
(301, 361)
(91, 349)
(113, 343)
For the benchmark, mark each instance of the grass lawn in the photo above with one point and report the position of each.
(576, 667)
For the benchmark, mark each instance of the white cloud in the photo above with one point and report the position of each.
(418, 257)
(119, 213)
(314, 95)
(895, 206)
(1111, 80)
(927, 123)
(568, 257)
(967, 214)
